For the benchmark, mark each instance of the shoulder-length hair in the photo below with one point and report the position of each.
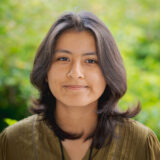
(111, 64)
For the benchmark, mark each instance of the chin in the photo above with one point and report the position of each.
(76, 104)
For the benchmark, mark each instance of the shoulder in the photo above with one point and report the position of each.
(135, 130)
(135, 127)
(17, 138)
(133, 135)
(135, 140)
(21, 127)
(19, 133)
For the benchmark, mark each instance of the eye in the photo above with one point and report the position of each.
(91, 61)
(62, 59)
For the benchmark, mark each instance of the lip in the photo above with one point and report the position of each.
(75, 87)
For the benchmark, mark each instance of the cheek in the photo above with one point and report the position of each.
(55, 73)
(54, 77)
(97, 81)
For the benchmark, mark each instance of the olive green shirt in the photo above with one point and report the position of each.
(31, 139)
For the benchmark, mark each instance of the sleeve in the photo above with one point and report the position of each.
(3, 145)
(152, 147)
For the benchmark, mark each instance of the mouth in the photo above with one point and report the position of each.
(76, 87)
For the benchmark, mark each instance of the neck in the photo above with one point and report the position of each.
(75, 119)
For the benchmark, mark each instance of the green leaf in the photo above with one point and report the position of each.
(10, 121)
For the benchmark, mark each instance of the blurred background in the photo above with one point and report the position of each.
(135, 25)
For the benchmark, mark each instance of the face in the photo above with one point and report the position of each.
(75, 77)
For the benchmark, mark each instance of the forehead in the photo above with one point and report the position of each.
(72, 40)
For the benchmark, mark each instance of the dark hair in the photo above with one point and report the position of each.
(112, 67)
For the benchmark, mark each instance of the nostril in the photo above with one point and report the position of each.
(75, 74)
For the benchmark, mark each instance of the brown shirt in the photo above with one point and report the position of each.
(31, 139)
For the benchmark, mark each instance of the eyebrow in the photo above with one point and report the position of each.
(69, 52)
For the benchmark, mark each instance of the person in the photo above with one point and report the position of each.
(80, 76)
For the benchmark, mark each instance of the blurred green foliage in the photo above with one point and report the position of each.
(10, 121)
(135, 25)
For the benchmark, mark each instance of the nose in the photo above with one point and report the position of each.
(75, 71)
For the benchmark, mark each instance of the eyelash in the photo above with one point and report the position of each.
(93, 60)
(59, 59)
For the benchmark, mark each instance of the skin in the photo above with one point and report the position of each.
(75, 62)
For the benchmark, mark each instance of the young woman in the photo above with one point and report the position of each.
(79, 73)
